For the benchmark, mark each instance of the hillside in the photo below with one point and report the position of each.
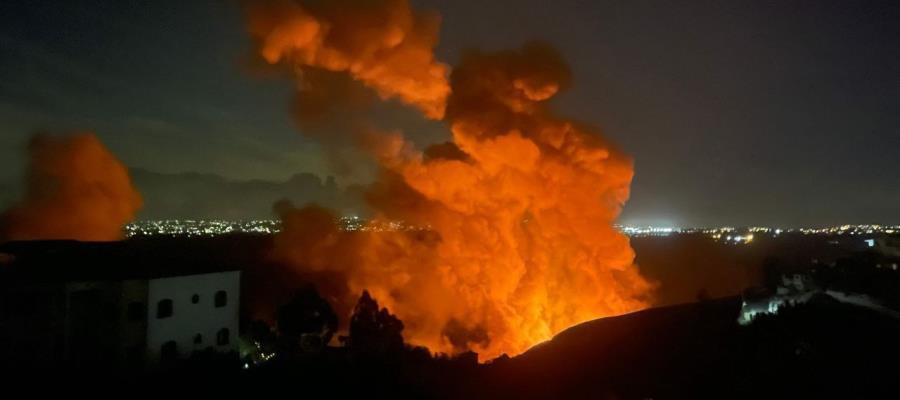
(823, 348)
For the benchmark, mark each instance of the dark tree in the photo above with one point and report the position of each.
(772, 270)
(260, 332)
(307, 316)
(374, 332)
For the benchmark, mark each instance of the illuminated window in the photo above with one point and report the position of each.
(164, 309)
(221, 298)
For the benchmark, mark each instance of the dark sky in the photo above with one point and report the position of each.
(736, 112)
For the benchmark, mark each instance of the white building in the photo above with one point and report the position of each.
(112, 305)
(192, 313)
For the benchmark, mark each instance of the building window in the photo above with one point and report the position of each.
(136, 311)
(221, 298)
(222, 337)
(198, 339)
(169, 351)
(195, 298)
(164, 309)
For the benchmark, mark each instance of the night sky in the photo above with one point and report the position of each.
(782, 113)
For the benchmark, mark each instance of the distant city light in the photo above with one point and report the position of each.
(216, 227)
(647, 230)
(190, 227)
(728, 234)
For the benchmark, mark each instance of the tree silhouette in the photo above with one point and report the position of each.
(374, 332)
(307, 316)
(772, 270)
(260, 332)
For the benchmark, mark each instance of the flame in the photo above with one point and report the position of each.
(76, 189)
(516, 239)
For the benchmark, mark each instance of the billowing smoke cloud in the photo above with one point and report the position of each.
(75, 189)
(507, 234)
(381, 43)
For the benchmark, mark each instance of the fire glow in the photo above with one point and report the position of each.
(75, 188)
(520, 205)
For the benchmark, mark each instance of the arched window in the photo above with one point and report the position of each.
(164, 309)
(221, 298)
(198, 339)
(195, 298)
(222, 338)
(169, 351)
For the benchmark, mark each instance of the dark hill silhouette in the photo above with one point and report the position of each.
(632, 355)
(823, 349)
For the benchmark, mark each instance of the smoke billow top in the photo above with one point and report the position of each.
(75, 189)
(508, 233)
(383, 44)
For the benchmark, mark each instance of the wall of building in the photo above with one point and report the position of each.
(134, 311)
(92, 322)
(32, 325)
(189, 319)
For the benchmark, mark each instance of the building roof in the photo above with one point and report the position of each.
(69, 260)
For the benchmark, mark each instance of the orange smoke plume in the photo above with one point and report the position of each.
(75, 189)
(507, 234)
(381, 43)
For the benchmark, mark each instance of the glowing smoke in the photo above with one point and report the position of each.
(75, 189)
(383, 44)
(516, 240)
